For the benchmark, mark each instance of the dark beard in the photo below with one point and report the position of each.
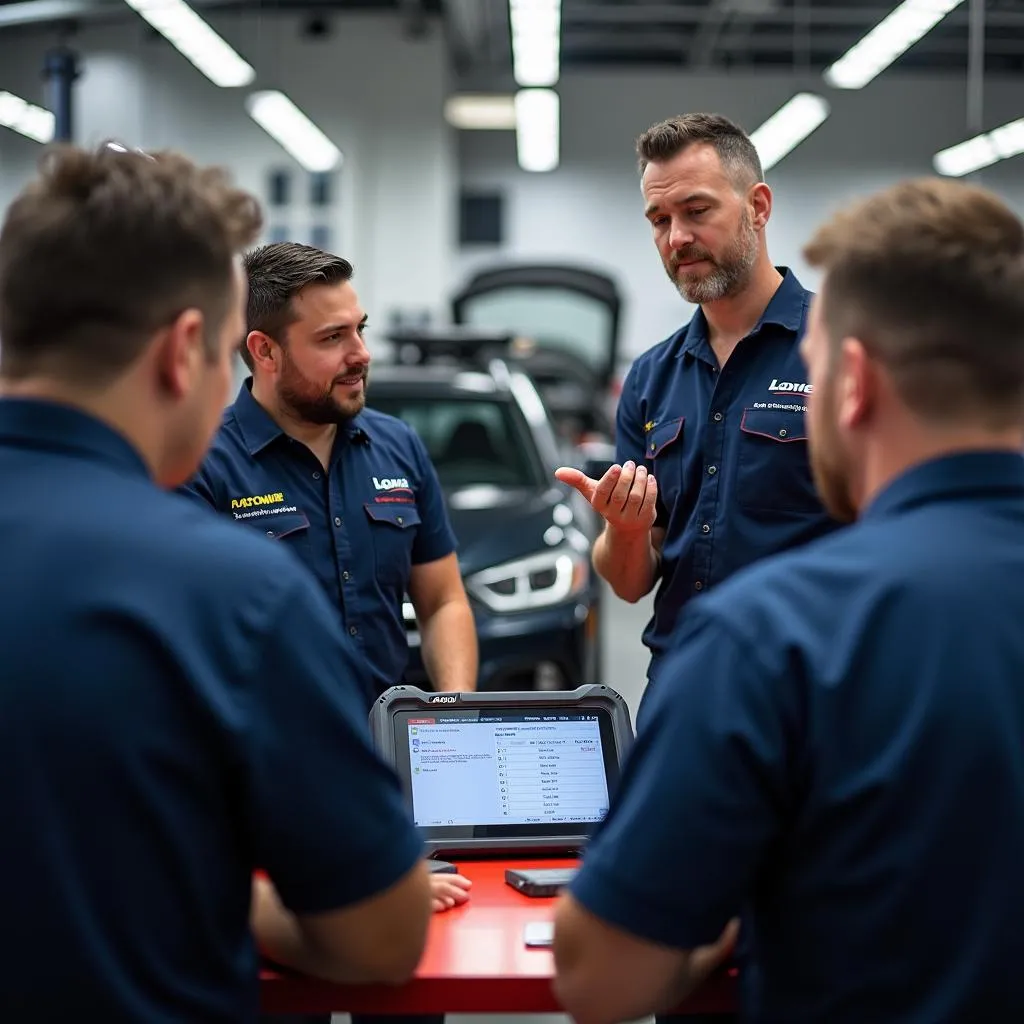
(321, 408)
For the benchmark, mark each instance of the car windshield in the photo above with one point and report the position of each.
(471, 441)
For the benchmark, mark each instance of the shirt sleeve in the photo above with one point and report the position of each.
(435, 537)
(703, 794)
(328, 819)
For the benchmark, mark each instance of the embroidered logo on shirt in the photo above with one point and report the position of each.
(260, 505)
(391, 483)
(258, 499)
(788, 387)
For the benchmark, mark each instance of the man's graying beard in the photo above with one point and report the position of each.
(729, 274)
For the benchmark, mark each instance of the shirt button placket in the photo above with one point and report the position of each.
(709, 499)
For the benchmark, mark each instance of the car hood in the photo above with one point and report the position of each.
(495, 525)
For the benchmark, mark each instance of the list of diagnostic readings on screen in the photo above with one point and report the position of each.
(511, 770)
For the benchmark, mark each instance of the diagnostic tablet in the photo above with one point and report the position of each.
(507, 772)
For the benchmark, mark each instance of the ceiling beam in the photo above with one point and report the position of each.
(581, 13)
(836, 43)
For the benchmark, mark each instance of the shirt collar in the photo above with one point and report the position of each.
(55, 427)
(962, 475)
(259, 428)
(786, 309)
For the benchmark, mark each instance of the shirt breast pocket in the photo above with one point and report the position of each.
(664, 456)
(290, 528)
(393, 528)
(773, 472)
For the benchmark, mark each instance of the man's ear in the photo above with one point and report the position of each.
(761, 205)
(181, 351)
(858, 383)
(263, 350)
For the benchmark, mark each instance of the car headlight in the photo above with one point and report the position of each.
(538, 581)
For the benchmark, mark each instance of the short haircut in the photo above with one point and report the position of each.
(106, 246)
(667, 139)
(929, 275)
(277, 273)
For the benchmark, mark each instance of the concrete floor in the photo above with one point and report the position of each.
(625, 671)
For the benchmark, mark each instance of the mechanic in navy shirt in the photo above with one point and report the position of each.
(178, 706)
(712, 470)
(837, 737)
(349, 491)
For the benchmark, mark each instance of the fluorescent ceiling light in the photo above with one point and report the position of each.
(788, 127)
(470, 111)
(536, 39)
(194, 39)
(888, 40)
(25, 118)
(982, 150)
(283, 121)
(537, 129)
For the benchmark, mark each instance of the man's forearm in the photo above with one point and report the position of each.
(449, 647)
(280, 937)
(628, 561)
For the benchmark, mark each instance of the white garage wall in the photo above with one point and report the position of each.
(395, 217)
(590, 209)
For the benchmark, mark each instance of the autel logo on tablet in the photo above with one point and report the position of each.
(788, 387)
(444, 698)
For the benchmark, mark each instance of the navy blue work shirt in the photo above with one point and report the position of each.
(841, 750)
(177, 708)
(360, 528)
(728, 447)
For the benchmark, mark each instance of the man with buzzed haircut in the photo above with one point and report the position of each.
(178, 704)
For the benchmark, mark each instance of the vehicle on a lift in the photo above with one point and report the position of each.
(524, 538)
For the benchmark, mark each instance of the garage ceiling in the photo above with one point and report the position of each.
(596, 34)
(769, 33)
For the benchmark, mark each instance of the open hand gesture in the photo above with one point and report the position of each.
(626, 496)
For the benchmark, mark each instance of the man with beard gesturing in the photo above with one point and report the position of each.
(349, 490)
(711, 467)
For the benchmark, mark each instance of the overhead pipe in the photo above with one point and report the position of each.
(60, 72)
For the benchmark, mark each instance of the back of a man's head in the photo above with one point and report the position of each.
(105, 247)
(276, 273)
(929, 276)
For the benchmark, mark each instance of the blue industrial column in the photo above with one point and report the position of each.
(60, 70)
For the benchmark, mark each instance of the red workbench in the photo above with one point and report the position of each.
(475, 962)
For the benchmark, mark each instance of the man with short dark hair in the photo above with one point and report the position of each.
(712, 470)
(836, 740)
(349, 491)
(162, 738)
